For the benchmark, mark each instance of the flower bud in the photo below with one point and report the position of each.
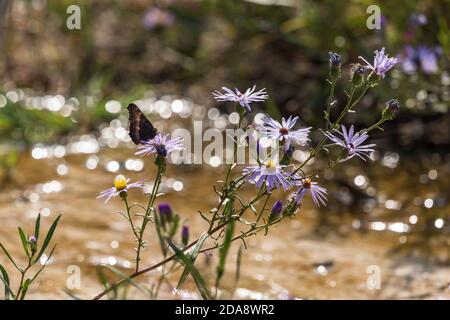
(335, 64)
(358, 74)
(165, 214)
(391, 110)
(276, 210)
(32, 242)
(185, 235)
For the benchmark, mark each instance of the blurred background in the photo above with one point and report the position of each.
(64, 136)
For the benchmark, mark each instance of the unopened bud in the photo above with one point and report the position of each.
(185, 235)
(391, 110)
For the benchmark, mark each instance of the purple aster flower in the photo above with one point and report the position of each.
(283, 132)
(318, 193)
(418, 19)
(408, 60)
(428, 59)
(120, 185)
(381, 63)
(161, 145)
(421, 57)
(268, 173)
(244, 99)
(156, 17)
(352, 143)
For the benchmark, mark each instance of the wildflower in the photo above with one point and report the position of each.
(185, 235)
(335, 64)
(283, 132)
(160, 145)
(32, 239)
(381, 63)
(391, 110)
(352, 142)
(421, 57)
(156, 17)
(165, 213)
(418, 19)
(244, 99)
(269, 173)
(276, 210)
(318, 193)
(335, 58)
(121, 187)
(358, 74)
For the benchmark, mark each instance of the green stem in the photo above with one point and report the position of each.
(147, 214)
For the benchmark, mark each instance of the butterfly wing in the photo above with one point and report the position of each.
(141, 129)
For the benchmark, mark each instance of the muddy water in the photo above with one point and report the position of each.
(317, 255)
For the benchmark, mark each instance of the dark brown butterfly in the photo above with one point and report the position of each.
(141, 129)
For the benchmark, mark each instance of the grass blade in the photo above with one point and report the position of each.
(193, 256)
(223, 250)
(199, 281)
(238, 264)
(127, 279)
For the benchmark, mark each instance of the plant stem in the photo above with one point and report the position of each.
(147, 213)
(137, 273)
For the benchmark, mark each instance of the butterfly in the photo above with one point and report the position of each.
(141, 129)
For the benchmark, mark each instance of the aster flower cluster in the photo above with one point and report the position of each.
(268, 175)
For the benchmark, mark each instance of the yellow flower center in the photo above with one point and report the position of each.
(120, 182)
(270, 166)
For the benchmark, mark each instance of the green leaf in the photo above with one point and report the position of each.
(9, 257)
(44, 265)
(104, 281)
(37, 227)
(159, 231)
(187, 261)
(48, 238)
(127, 279)
(24, 241)
(223, 250)
(238, 264)
(24, 290)
(193, 256)
(5, 279)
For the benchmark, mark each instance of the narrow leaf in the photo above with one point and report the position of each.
(48, 238)
(223, 250)
(238, 264)
(24, 289)
(23, 238)
(5, 279)
(193, 256)
(37, 227)
(187, 261)
(127, 279)
(9, 257)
